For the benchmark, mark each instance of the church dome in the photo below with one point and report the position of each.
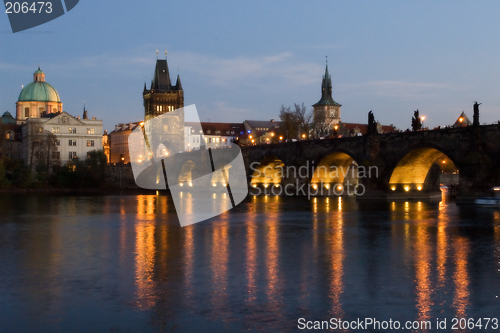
(39, 90)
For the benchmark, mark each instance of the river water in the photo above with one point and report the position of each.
(123, 264)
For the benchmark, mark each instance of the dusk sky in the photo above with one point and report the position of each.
(243, 60)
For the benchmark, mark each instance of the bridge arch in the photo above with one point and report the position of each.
(269, 171)
(336, 169)
(420, 168)
(186, 173)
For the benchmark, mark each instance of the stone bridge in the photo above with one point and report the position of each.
(403, 165)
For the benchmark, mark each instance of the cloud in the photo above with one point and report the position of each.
(244, 71)
(403, 90)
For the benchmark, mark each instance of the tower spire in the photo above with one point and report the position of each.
(84, 112)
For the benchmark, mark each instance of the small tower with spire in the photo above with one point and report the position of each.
(85, 116)
(326, 109)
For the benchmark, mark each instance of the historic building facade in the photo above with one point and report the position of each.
(74, 137)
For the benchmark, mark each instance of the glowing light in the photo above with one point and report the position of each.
(419, 188)
(276, 185)
(142, 123)
(181, 184)
(214, 184)
(407, 188)
(327, 186)
(444, 162)
(266, 185)
(254, 185)
(315, 186)
(272, 134)
(190, 183)
(140, 156)
(281, 138)
(303, 136)
(339, 187)
(336, 127)
(267, 139)
(139, 161)
(224, 184)
(423, 118)
(393, 188)
(250, 136)
(460, 119)
(253, 140)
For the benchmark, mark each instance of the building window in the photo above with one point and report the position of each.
(58, 142)
(56, 154)
(90, 143)
(72, 130)
(72, 143)
(72, 154)
(90, 131)
(55, 129)
(26, 112)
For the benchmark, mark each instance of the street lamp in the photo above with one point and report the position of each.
(122, 159)
(335, 128)
(303, 136)
(423, 118)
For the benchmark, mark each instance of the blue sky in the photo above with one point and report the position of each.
(243, 60)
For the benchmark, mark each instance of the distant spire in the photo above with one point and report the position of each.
(156, 54)
(178, 83)
(165, 54)
(84, 112)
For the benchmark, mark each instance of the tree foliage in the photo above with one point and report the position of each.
(295, 122)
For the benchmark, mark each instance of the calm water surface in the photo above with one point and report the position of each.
(123, 264)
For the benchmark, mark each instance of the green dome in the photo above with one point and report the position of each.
(40, 92)
(38, 71)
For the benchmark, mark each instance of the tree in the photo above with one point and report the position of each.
(322, 129)
(42, 148)
(303, 118)
(289, 123)
(296, 121)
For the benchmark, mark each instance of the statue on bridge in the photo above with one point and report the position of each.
(416, 123)
(372, 125)
(476, 113)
